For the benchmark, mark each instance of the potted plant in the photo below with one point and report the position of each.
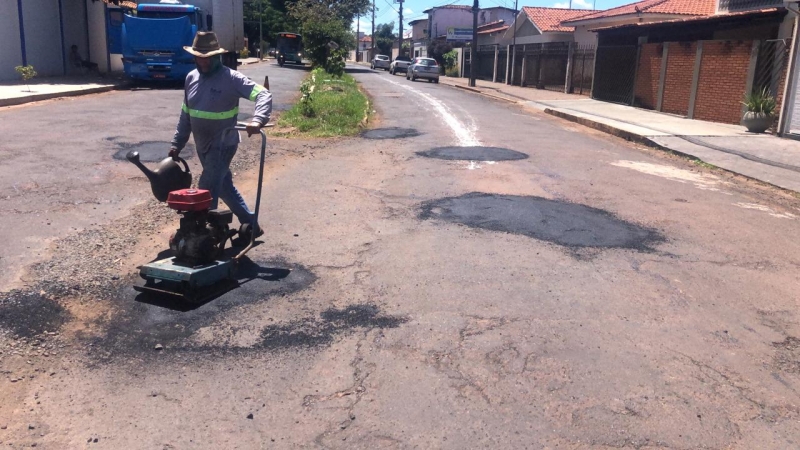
(760, 111)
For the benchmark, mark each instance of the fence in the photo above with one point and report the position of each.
(614, 73)
(556, 66)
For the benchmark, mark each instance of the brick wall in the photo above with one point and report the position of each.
(678, 84)
(723, 79)
(648, 75)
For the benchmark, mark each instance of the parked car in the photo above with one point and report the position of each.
(380, 62)
(400, 64)
(426, 68)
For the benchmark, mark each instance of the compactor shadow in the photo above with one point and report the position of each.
(246, 272)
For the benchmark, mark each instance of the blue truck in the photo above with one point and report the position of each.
(153, 36)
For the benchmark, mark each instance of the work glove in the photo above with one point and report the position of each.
(173, 153)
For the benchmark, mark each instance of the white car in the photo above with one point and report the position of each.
(380, 62)
(426, 68)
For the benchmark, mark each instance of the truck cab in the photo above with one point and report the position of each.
(153, 37)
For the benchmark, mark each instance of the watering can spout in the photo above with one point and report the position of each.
(168, 177)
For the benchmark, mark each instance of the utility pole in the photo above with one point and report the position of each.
(372, 36)
(473, 63)
(514, 44)
(358, 32)
(260, 30)
(400, 47)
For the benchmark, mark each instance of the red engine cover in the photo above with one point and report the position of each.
(189, 199)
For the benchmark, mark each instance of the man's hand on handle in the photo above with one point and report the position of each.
(173, 153)
(253, 128)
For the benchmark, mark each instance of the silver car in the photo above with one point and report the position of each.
(380, 62)
(426, 68)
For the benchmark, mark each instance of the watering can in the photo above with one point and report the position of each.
(167, 177)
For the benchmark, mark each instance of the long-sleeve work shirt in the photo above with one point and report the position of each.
(211, 105)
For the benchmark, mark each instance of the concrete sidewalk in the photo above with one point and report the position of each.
(17, 93)
(762, 157)
(47, 88)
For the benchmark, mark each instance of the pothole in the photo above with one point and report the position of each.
(473, 154)
(27, 314)
(390, 133)
(563, 223)
(150, 151)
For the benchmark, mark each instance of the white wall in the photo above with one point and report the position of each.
(10, 48)
(43, 36)
(442, 19)
(97, 34)
(585, 37)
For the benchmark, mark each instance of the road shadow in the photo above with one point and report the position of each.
(353, 69)
(138, 85)
(290, 66)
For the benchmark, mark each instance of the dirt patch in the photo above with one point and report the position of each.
(150, 151)
(787, 356)
(559, 222)
(473, 154)
(390, 133)
(28, 314)
(311, 332)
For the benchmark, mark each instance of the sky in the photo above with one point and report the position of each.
(387, 10)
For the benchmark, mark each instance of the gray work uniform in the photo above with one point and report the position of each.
(211, 106)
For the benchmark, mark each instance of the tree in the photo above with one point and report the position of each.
(274, 19)
(437, 49)
(384, 38)
(325, 28)
(26, 73)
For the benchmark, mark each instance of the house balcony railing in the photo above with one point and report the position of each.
(745, 5)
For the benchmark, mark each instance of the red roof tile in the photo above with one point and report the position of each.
(490, 24)
(494, 29)
(549, 19)
(697, 19)
(677, 7)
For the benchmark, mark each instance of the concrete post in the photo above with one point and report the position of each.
(789, 97)
(751, 73)
(570, 64)
(496, 62)
(662, 77)
(698, 60)
(524, 70)
(508, 65)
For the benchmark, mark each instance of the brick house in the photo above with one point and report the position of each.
(419, 37)
(699, 67)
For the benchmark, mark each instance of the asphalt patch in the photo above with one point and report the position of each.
(568, 224)
(473, 154)
(142, 320)
(150, 151)
(27, 314)
(312, 331)
(390, 133)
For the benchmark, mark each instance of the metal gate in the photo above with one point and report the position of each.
(615, 73)
(582, 69)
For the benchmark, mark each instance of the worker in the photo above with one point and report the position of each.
(210, 107)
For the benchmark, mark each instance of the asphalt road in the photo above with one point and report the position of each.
(559, 289)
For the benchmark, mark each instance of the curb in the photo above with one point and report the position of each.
(39, 97)
(478, 91)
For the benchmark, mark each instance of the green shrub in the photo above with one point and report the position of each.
(760, 102)
(26, 73)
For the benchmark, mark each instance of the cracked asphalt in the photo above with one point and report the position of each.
(584, 293)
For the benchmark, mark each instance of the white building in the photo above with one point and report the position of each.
(41, 32)
(440, 18)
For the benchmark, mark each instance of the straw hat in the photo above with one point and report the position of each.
(205, 45)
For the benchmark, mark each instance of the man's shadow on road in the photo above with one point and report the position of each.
(246, 271)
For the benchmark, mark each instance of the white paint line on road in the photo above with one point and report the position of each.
(765, 209)
(465, 135)
(700, 180)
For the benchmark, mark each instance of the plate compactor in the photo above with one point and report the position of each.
(199, 267)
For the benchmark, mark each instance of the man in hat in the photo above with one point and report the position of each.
(210, 107)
